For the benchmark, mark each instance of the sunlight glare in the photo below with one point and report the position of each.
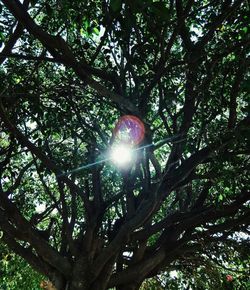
(121, 154)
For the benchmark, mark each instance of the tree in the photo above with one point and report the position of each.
(70, 70)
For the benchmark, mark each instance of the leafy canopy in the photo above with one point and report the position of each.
(69, 71)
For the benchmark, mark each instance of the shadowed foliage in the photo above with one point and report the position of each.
(69, 70)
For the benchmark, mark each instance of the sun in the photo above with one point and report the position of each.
(121, 154)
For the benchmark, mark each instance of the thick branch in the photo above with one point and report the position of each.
(13, 38)
(37, 263)
(24, 231)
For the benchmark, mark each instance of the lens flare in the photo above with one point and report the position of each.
(129, 130)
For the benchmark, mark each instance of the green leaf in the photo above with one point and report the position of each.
(245, 29)
(116, 5)
(96, 31)
(2, 37)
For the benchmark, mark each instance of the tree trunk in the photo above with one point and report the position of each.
(76, 285)
(135, 286)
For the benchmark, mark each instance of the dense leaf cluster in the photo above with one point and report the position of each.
(69, 70)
